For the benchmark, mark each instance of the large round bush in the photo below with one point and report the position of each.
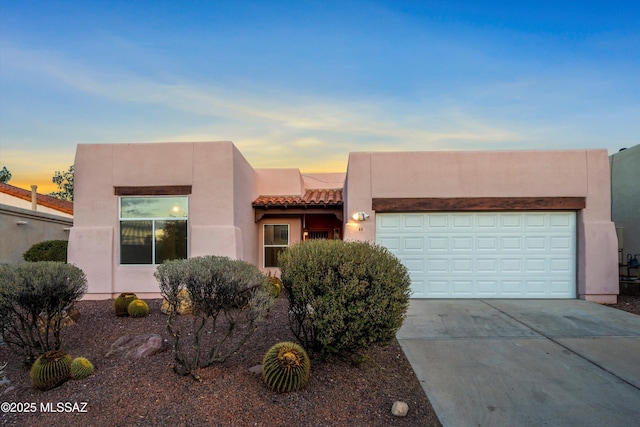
(343, 296)
(49, 250)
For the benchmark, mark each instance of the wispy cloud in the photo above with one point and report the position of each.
(273, 116)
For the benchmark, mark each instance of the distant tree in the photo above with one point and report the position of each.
(5, 175)
(64, 181)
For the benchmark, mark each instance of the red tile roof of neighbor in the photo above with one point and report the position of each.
(42, 199)
(312, 197)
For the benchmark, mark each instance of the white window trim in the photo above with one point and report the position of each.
(265, 246)
(153, 228)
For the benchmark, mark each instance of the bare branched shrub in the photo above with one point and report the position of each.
(229, 300)
(34, 299)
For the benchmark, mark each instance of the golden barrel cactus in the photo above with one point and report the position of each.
(138, 308)
(81, 368)
(286, 367)
(50, 370)
(122, 303)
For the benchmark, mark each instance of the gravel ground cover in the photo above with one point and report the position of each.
(137, 392)
(144, 392)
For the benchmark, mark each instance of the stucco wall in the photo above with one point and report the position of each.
(563, 173)
(625, 193)
(285, 181)
(21, 228)
(220, 178)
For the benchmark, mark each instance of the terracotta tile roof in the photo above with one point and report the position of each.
(312, 197)
(42, 199)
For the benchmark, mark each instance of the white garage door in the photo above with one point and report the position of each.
(484, 254)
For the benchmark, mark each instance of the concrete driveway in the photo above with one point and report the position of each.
(525, 362)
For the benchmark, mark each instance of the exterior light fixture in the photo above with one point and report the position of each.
(21, 222)
(360, 216)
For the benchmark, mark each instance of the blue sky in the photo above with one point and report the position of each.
(303, 83)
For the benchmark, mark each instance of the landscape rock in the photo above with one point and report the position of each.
(400, 409)
(256, 369)
(138, 346)
(8, 390)
(69, 318)
(184, 303)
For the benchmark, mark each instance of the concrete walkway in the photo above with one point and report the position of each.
(525, 362)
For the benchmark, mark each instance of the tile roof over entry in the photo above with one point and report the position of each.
(311, 198)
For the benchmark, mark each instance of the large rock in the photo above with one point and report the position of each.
(70, 317)
(184, 303)
(138, 346)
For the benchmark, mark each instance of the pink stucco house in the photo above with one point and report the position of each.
(509, 224)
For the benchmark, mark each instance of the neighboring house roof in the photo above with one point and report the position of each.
(42, 200)
(312, 197)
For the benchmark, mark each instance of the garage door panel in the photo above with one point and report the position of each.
(389, 222)
(437, 266)
(414, 265)
(462, 222)
(535, 287)
(463, 243)
(413, 221)
(535, 243)
(501, 255)
(437, 222)
(437, 243)
(462, 265)
(391, 243)
(487, 266)
(561, 243)
(510, 222)
(511, 265)
(535, 221)
(462, 288)
(486, 243)
(511, 288)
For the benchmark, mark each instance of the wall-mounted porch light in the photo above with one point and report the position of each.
(360, 216)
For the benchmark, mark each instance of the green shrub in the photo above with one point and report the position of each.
(50, 370)
(49, 250)
(343, 296)
(80, 368)
(121, 304)
(138, 308)
(286, 367)
(34, 298)
(228, 299)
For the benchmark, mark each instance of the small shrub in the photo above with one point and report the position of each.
(50, 370)
(138, 308)
(343, 296)
(227, 298)
(49, 250)
(286, 367)
(34, 298)
(80, 368)
(121, 304)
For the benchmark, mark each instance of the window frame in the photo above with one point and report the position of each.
(153, 221)
(265, 246)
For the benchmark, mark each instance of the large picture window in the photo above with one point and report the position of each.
(276, 239)
(153, 229)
